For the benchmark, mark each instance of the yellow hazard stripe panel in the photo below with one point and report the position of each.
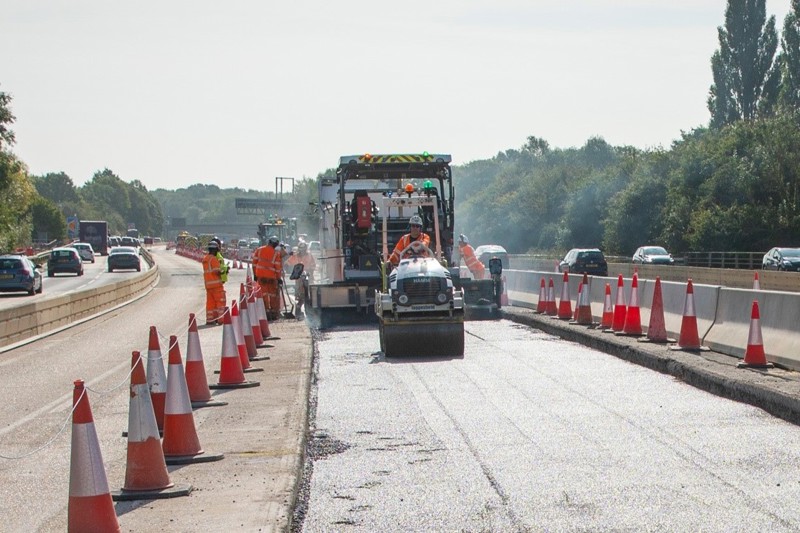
(396, 158)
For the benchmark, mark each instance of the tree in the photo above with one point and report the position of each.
(6, 118)
(745, 80)
(47, 220)
(789, 59)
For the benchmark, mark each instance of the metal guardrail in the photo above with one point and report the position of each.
(737, 260)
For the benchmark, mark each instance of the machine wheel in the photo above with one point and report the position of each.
(383, 342)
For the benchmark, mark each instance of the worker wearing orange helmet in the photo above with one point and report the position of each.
(475, 267)
(414, 235)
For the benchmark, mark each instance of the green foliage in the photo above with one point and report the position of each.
(47, 220)
(18, 195)
(745, 79)
(789, 59)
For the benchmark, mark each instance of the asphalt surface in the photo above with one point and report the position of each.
(775, 390)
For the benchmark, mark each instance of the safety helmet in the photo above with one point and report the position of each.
(213, 245)
(302, 246)
(462, 239)
(415, 220)
(218, 241)
(274, 241)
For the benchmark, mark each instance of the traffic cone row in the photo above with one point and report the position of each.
(608, 310)
(633, 319)
(565, 306)
(620, 308)
(541, 305)
(146, 477)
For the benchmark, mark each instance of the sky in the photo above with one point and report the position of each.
(237, 93)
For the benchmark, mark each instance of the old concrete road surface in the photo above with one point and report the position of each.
(531, 433)
(260, 432)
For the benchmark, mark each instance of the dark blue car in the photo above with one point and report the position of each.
(18, 273)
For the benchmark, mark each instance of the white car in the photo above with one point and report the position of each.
(85, 250)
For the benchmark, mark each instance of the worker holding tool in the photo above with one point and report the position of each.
(414, 235)
(309, 265)
(268, 268)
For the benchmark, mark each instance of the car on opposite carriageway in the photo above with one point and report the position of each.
(124, 257)
(780, 258)
(18, 273)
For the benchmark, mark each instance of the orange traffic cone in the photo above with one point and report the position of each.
(156, 377)
(584, 311)
(90, 506)
(620, 308)
(657, 329)
(541, 305)
(577, 304)
(196, 381)
(754, 356)
(633, 317)
(238, 333)
(551, 299)
(231, 375)
(756, 282)
(247, 328)
(239, 265)
(565, 306)
(180, 445)
(146, 475)
(255, 324)
(689, 338)
(608, 310)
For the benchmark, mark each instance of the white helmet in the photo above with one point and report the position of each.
(415, 220)
(302, 246)
(462, 239)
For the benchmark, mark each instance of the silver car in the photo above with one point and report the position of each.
(85, 250)
(653, 255)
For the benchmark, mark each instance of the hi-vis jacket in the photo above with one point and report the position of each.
(267, 263)
(474, 266)
(403, 243)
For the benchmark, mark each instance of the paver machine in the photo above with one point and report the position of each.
(352, 214)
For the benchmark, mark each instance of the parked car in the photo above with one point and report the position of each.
(124, 257)
(653, 255)
(782, 259)
(66, 259)
(584, 261)
(85, 250)
(18, 273)
(485, 252)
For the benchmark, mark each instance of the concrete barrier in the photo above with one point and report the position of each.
(23, 322)
(723, 313)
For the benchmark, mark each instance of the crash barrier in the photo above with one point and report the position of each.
(727, 277)
(723, 313)
(25, 321)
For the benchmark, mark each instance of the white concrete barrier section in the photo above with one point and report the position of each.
(23, 322)
(723, 314)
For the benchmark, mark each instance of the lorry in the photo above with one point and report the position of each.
(95, 232)
(350, 263)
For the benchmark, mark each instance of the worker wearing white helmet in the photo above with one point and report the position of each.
(468, 253)
(415, 234)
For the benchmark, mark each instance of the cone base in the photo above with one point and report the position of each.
(677, 348)
(755, 365)
(625, 334)
(260, 358)
(159, 494)
(271, 338)
(242, 385)
(191, 459)
(246, 370)
(657, 341)
(208, 403)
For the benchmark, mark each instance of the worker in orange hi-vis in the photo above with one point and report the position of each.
(468, 253)
(301, 283)
(414, 235)
(267, 268)
(215, 289)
